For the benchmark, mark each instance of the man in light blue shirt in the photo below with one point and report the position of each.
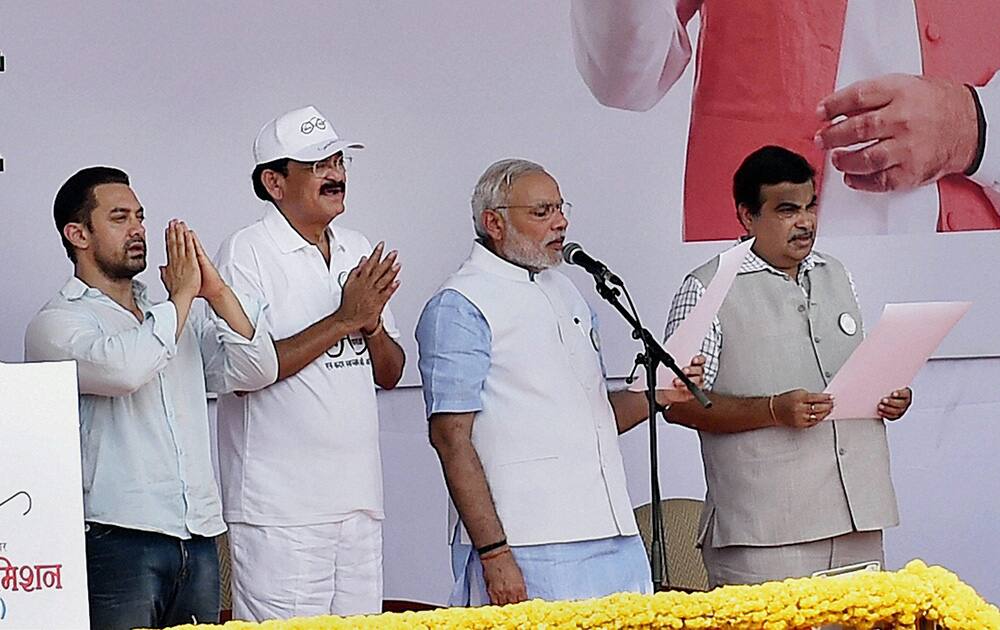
(150, 499)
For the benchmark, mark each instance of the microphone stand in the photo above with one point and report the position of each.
(652, 355)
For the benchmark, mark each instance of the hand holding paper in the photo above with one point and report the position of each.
(893, 406)
(679, 392)
(800, 409)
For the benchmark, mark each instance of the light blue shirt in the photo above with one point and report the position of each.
(453, 367)
(144, 428)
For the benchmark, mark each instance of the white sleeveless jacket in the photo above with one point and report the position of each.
(546, 435)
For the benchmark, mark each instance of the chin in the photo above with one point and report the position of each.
(333, 210)
(126, 272)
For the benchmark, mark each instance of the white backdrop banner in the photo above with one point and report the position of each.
(437, 91)
(43, 576)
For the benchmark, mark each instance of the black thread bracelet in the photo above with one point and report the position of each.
(981, 139)
(491, 547)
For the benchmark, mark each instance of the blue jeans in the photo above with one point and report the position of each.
(143, 579)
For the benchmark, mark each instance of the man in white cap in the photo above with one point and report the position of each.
(299, 460)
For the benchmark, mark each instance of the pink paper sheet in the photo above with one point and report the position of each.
(686, 341)
(891, 356)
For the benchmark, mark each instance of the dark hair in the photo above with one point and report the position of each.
(765, 167)
(280, 165)
(75, 200)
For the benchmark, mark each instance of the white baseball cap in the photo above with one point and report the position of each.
(304, 135)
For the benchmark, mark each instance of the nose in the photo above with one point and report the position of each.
(136, 228)
(806, 221)
(559, 221)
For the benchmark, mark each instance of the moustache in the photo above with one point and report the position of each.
(807, 234)
(333, 187)
(136, 241)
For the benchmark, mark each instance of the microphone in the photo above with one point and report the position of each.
(573, 254)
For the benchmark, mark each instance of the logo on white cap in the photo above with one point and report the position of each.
(305, 135)
(312, 124)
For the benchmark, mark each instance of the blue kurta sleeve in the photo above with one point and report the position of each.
(454, 341)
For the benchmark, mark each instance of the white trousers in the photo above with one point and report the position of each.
(309, 570)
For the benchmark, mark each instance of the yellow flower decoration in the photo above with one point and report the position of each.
(900, 599)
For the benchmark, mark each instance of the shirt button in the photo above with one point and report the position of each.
(842, 451)
(933, 32)
(802, 308)
(828, 374)
(816, 338)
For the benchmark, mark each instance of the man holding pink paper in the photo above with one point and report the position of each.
(788, 494)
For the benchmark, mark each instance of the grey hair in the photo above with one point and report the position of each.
(493, 187)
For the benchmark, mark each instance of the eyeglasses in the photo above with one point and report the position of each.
(337, 163)
(544, 211)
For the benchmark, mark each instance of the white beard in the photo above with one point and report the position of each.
(519, 250)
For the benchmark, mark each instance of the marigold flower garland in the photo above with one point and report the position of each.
(865, 600)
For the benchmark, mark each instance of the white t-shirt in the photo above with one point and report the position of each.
(304, 450)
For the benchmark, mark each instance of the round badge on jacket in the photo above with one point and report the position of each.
(847, 324)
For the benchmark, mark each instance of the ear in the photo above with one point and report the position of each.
(274, 183)
(746, 218)
(495, 225)
(77, 235)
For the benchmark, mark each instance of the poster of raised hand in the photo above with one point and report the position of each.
(43, 576)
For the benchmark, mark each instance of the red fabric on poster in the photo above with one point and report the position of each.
(787, 55)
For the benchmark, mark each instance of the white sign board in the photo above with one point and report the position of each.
(43, 574)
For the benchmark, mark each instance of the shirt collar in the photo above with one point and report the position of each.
(75, 289)
(287, 238)
(753, 263)
(484, 258)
